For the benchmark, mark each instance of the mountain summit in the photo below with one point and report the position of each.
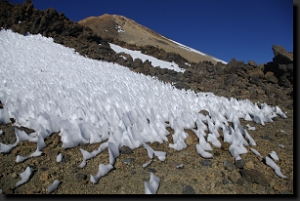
(127, 30)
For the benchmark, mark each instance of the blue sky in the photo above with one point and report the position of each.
(226, 29)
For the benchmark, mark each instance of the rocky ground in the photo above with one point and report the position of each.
(219, 175)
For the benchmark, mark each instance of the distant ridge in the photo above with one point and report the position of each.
(131, 32)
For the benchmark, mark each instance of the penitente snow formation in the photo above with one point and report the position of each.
(91, 110)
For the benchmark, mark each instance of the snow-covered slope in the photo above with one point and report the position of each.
(49, 88)
(196, 51)
(154, 61)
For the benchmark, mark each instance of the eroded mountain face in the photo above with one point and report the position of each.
(127, 30)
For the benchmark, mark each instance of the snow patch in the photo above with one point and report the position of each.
(187, 64)
(250, 128)
(146, 164)
(284, 132)
(25, 176)
(59, 158)
(53, 186)
(154, 61)
(274, 166)
(274, 155)
(103, 170)
(152, 186)
(256, 152)
(119, 29)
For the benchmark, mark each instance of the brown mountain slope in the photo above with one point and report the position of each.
(129, 31)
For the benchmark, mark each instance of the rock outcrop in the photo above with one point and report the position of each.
(24, 19)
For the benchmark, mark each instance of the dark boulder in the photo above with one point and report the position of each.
(137, 63)
(254, 176)
(187, 73)
(269, 76)
(255, 80)
(252, 63)
(283, 81)
(281, 55)
(220, 68)
(210, 68)
(230, 80)
(233, 66)
(181, 85)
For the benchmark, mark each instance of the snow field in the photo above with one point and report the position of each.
(154, 61)
(50, 88)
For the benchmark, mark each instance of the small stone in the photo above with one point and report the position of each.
(66, 158)
(240, 181)
(216, 153)
(80, 177)
(260, 91)
(234, 177)
(84, 182)
(212, 185)
(225, 181)
(249, 165)
(210, 176)
(126, 150)
(272, 183)
(188, 190)
(152, 170)
(44, 176)
(279, 187)
(204, 112)
(266, 137)
(229, 166)
(133, 172)
(44, 168)
(190, 160)
(118, 165)
(189, 140)
(14, 175)
(240, 163)
(206, 163)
